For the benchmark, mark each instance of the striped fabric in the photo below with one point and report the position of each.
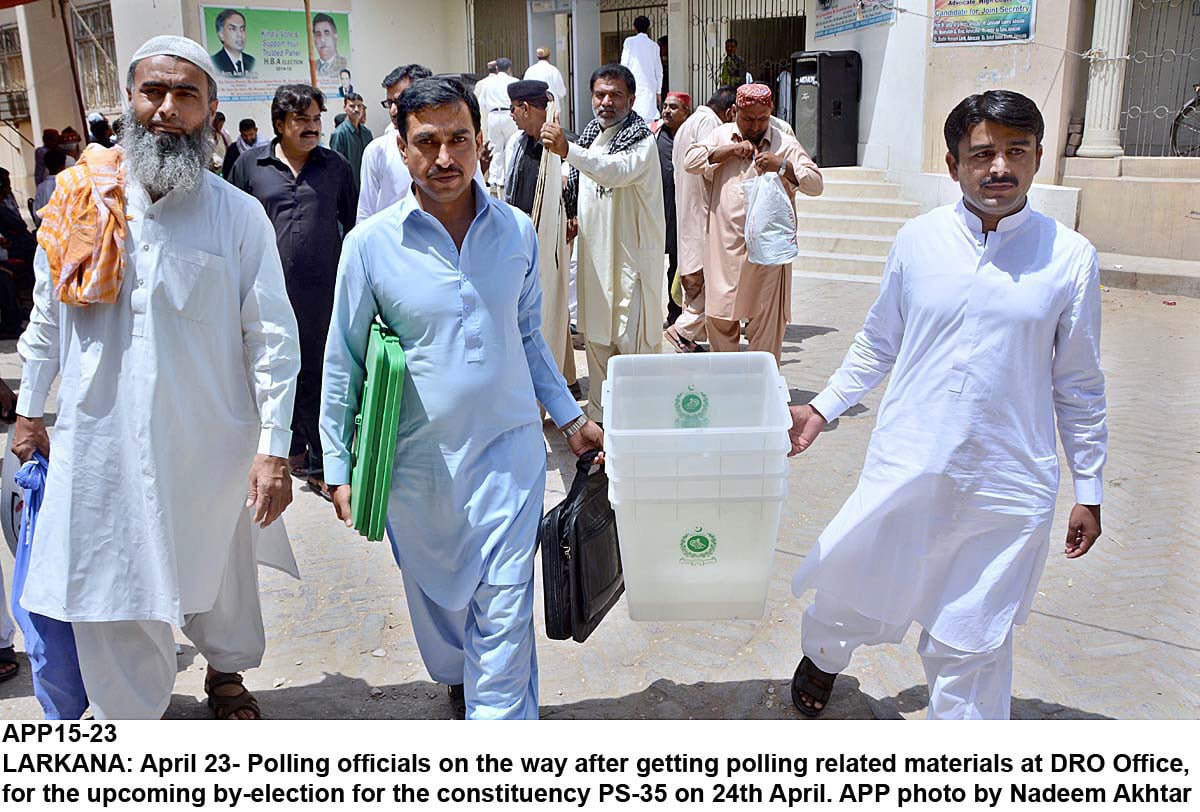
(83, 229)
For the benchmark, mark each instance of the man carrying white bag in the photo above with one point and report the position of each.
(738, 285)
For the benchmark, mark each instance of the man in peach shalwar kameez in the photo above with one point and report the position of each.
(736, 289)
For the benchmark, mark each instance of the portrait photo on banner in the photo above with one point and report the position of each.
(257, 49)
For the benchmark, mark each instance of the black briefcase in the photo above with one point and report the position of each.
(581, 562)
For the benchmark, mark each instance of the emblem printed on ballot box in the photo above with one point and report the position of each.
(691, 409)
(698, 546)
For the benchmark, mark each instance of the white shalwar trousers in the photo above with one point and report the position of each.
(487, 647)
(128, 666)
(500, 128)
(962, 684)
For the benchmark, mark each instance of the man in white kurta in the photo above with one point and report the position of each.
(384, 177)
(167, 393)
(543, 70)
(495, 108)
(615, 190)
(643, 57)
(988, 319)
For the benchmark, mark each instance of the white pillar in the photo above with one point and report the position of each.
(1106, 80)
(585, 29)
(679, 48)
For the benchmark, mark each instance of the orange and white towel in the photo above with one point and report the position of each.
(83, 229)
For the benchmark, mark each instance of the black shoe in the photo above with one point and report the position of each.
(575, 390)
(458, 700)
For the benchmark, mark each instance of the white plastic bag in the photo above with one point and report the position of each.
(770, 221)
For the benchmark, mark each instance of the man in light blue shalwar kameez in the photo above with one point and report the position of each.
(453, 273)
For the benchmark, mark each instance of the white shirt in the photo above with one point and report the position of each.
(493, 93)
(544, 71)
(988, 340)
(643, 58)
(165, 396)
(44, 189)
(384, 178)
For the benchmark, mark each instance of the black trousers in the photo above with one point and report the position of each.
(313, 305)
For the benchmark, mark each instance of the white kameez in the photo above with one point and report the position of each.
(545, 71)
(165, 397)
(642, 56)
(622, 231)
(988, 339)
(384, 177)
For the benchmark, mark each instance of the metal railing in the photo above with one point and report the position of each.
(1162, 68)
(767, 31)
(498, 28)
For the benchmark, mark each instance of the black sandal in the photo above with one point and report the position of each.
(810, 681)
(8, 656)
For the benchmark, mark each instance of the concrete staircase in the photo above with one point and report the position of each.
(849, 229)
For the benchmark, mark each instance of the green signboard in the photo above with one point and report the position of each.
(255, 50)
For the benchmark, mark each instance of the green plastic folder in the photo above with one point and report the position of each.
(375, 435)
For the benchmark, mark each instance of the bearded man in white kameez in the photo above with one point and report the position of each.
(615, 189)
(988, 319)
(160, 303)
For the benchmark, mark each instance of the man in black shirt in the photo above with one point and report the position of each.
(309, 194)
(676, 108)
(523, 164)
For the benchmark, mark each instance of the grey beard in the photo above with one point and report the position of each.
(163, 162)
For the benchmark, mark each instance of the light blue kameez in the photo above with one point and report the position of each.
(470, 466)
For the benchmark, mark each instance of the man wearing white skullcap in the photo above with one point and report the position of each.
(160, 305)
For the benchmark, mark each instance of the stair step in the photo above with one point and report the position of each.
(836, 243)
(878, 190)
(849, 224)
(817, 223)
(826, 262)
(854, 173)
(865, 206)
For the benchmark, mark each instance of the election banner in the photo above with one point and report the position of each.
(983, 22)
(840, 16)
(255, 50)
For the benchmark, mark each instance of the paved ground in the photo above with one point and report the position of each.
(1115, 634)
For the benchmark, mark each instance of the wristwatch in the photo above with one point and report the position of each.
(575, 426)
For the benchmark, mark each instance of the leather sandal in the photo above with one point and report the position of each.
(227, 707)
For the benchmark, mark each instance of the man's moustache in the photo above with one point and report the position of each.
(1007, 179)
(306, 134)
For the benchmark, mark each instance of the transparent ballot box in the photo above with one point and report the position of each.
(696, 448)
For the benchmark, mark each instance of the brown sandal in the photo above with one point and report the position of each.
(227, 707)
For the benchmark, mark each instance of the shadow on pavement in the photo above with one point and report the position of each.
(337, 696)
(916, 698)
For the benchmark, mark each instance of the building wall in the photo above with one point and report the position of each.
(893, 60)
(1040, 71)
(15, 153)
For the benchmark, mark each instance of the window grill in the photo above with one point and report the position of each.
(1160, 74)
(95, 56)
